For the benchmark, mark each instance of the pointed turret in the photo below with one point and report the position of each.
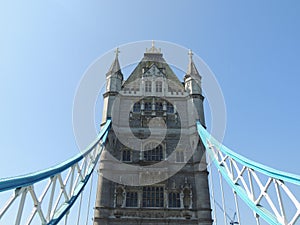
(192, 70)
(192, 84)
(114, 76)
(192, 78)
(114, 80)
(115, 66)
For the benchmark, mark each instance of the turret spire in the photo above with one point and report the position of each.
(192, 78)
(192, 70)
(115, 66)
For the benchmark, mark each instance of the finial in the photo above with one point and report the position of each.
(153, 49)
(190, 54)
(117, 52)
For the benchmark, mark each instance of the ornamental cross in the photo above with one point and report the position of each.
(117, 52)
(190, 54)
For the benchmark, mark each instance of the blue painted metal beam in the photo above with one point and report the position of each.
(62, 211)
(29, 179)
(269, 172)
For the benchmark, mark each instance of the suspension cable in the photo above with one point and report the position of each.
(66, 218)
(237, 207)
(79, 210)
(212, 189)
(223, 197)
(235, 197)
(257, 219)
(89, 201)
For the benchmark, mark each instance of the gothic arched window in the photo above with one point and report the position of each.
(126, 155)
(174, 200)
(148, 106)
(131, 199)
(170, 108)
(152, 153)
(148, 86)
(158, 106)
(158, 85)
(153, 196)
(137, 107)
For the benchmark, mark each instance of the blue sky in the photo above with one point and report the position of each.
(252, 48)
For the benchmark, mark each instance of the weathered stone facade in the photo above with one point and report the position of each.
(153, 169)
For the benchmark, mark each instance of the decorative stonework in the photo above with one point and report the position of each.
(154, 94)
(119, 196)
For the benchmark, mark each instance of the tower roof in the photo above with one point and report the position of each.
(115, 66)
(153, 56)
(192, 70)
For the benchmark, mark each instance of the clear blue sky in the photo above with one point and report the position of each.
(252, 47)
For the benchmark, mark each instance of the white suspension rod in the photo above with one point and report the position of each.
(21, 207)
(89, 201)
(237, 208)
(223, 197)
(212, 190)
(235, 196)
(79, 210)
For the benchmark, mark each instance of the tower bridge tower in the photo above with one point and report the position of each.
(153, 169)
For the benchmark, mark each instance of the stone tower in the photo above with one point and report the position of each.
(153, 169)
(114, 79)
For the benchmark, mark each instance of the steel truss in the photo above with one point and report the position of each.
(254, 183)
(62, 185)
